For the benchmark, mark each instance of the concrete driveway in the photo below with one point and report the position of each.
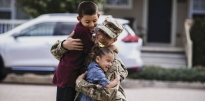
(28, 92)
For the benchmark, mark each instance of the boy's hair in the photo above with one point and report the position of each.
(87, 8)
(97, 50)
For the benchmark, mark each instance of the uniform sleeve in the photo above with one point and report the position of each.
(119, 67)
(96, 91)
(57, 50)
(122, 70)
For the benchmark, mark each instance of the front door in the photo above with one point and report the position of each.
(159, 21)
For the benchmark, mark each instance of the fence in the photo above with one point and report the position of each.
(6, 25)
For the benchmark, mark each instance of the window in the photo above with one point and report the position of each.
(118, 4)
(5, 9)
(199, 6)
(5, 14)
(42, 29)
(5, 3)
(63, 28)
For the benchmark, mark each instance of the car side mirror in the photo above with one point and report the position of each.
(16, 35)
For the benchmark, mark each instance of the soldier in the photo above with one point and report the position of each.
(107, 34)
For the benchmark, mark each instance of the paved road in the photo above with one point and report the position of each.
(26, 92)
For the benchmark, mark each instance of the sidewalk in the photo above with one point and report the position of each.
(127, 83)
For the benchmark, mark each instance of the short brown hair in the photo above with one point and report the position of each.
(87, 8)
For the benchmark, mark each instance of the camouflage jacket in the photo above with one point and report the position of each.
(96, 91)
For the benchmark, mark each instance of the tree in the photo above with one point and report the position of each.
(35, 8)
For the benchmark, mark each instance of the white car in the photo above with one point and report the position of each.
(27, 47)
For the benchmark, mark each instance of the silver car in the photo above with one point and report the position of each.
(27, 47)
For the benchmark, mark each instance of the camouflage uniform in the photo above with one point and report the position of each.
(96, 91)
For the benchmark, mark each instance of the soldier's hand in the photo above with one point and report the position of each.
(80, 77)
(73, 44)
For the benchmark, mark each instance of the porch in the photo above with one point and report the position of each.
(164, 56)
(169, 56)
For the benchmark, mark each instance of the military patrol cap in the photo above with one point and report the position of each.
(112, 27)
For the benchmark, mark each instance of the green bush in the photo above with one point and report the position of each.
(196, 74)
(197, 33)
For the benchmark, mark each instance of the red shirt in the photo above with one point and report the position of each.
(70, 64)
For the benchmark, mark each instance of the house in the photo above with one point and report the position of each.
(162, 20)
(161, 25)
(159, 22)
(8, 10)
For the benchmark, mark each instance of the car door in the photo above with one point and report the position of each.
(32, 46)
(61, 29)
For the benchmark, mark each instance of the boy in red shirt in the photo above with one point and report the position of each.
(71, 62)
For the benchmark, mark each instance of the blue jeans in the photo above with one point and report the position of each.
(65, 94)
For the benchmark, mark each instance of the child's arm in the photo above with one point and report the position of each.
(113, 48)
(114, 82)
(95, 91)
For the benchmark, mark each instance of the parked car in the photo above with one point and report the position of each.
(27, 46)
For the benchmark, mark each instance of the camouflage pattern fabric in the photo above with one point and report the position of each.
(57, 50)
(93, 90)
(112, 27)
(96, 91)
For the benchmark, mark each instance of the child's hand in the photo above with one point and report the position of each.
(117, 76)
(113, 48)
(114, 82)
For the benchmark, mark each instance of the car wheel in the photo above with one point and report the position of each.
(2, 70)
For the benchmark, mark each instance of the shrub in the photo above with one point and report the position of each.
(196, 74)
(197, 33)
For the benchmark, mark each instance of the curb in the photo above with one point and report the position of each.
(29, 78)
(131, 83)
(127, 83)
